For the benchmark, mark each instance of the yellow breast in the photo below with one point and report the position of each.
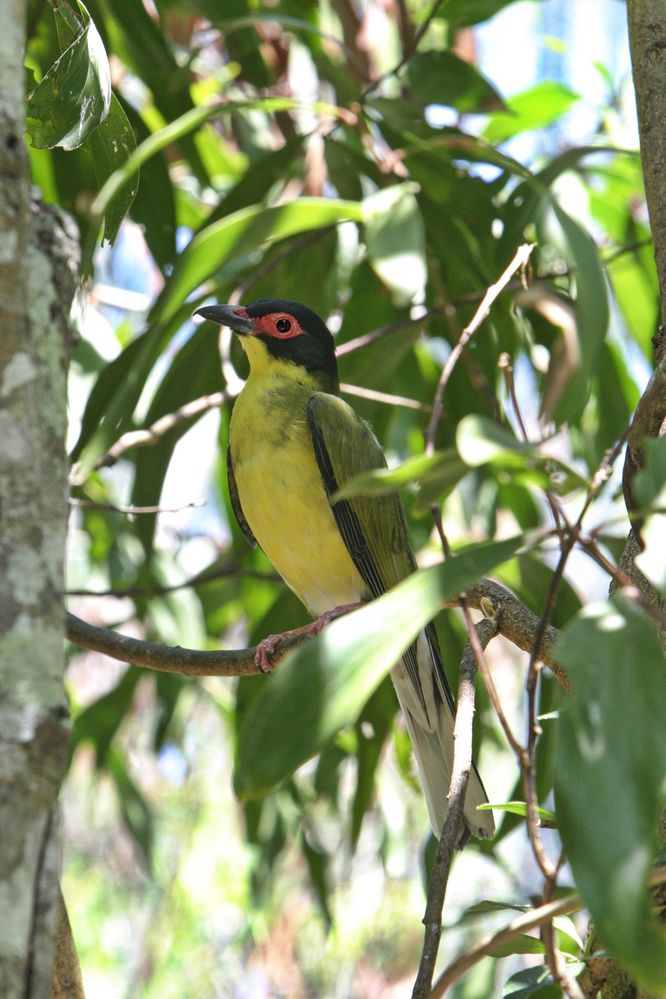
(281, 490)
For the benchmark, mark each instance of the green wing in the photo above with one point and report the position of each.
(372, 527)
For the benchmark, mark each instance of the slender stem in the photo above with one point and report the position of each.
(520, 259)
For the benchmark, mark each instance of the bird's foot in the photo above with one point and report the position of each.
(269, 647)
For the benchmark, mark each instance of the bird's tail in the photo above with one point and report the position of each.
(428, 707)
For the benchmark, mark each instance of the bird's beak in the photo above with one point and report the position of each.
(233, 316)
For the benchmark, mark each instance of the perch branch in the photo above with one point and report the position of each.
(514, 621)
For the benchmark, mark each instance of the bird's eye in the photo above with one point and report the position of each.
(283, 325)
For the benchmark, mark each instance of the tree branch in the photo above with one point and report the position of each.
(514, 621)
(517, 623)
(487, 944)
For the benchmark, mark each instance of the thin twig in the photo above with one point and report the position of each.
(408, 51)
(88, 504)
(487, 944)
(365, 339)
(386, 397)
(152, 435)
(520, 259)
(522, 924)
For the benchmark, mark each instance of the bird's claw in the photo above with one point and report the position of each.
(265, 652)
(268, 647)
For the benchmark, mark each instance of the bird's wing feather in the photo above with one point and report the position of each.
(373, 527)
(236, 503)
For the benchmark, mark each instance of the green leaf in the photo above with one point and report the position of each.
(318, 860)
(395, 238)
(491, 905)
(463, 13)
(188, 122)
(481, 441)
(74, 96)
(111, 145)
(444, 468)
(444, 78)
(240, 232)
(536, 983)
(611, 777)
(532, 109)
(324, 684)
(194, 371)
(520, 808)
(592, 312)
(521, 944)
(373, 727)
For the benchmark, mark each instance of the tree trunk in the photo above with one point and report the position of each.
(36, 286)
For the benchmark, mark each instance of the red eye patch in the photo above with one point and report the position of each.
(280, 325)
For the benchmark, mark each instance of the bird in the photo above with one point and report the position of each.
(293, 443)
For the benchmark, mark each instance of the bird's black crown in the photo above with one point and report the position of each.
(314, 351)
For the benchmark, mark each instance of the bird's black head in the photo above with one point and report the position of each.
(290, 331)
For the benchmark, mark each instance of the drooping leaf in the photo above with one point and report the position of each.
(532, 983)
(373, 727)
(481, 441)
(592, 312)
(463, 13)
(611, 777)
(545, 815)
(324, 684)
(111, 144)
(74, 96)
(318, 860)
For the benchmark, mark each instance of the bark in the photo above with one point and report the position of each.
(647, 37)
(34, 735)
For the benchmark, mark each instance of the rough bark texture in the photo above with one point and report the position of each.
(647, 35)
(34, 735)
